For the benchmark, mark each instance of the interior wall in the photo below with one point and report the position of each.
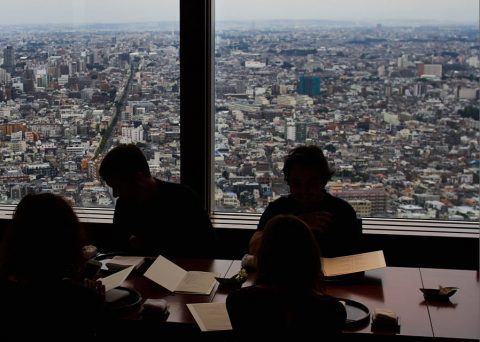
(399, 250)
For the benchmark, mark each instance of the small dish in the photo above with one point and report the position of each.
(440, 294)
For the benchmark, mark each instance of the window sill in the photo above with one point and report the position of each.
(87, 215)
(370, 225)
(227, 220)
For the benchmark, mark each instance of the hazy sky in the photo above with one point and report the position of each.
(108, 11)
(452, 10)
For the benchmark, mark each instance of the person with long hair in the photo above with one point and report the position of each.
(287, 299)
(41, 267)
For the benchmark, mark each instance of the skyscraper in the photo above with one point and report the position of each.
(300, 132)
(309, 85)
(290, 130)
(429, 69)
(9, 59)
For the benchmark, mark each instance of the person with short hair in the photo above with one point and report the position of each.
(152, 216)
(333, 221)
(287, 300)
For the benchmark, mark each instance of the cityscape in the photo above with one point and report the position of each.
(394, 108)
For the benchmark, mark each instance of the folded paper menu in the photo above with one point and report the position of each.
(210, 316)
(116, 279)
(176, 279)
(352, 263)
(120, 262)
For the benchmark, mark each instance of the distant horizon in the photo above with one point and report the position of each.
(279, 21)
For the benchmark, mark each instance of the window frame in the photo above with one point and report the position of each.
(197, 115)
(228, 220)
(197, 89)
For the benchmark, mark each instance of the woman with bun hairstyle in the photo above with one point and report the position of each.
(287, 300)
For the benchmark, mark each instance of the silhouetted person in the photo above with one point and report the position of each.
(332, 220)
(286, 303)
(42, 294)
(154, 217)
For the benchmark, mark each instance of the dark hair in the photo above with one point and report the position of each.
(43, 241)
(124, 161)
(310, 157)
(289, 256)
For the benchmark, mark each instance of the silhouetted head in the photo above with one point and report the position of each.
(43, 241)
(122, 167)
(306, 172)
(288, 256)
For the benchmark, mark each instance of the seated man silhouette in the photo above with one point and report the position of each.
(332, 220)
(286, 303)
(154, 217)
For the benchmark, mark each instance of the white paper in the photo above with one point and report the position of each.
(211, 316)
(165, 273)
(353, 263)
(198, 282)
(176, 279)
(116, 279)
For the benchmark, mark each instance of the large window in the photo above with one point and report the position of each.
(388, 89)
(77, 78)
(390, 94)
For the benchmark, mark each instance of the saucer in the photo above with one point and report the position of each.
(441, 294)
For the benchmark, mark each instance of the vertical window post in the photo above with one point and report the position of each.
(196, 94)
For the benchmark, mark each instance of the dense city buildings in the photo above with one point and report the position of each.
(395, 110)
(67, 96)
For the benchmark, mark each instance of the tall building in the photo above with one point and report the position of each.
(362, 207)
(419, 89)
(388, 90)
(9, 59)
(279, 89)
(467, 93)
(378, 199)
(4, 76)
(290, 130)
(402, 62)
(381, 71)
(309, 85)
(132, 134)
(429, 69)
(300, 132)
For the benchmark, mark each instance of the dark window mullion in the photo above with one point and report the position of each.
(196, 96)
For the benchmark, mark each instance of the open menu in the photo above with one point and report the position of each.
(176, 279)
(116, 279)
(210, 316)
(353, 263)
